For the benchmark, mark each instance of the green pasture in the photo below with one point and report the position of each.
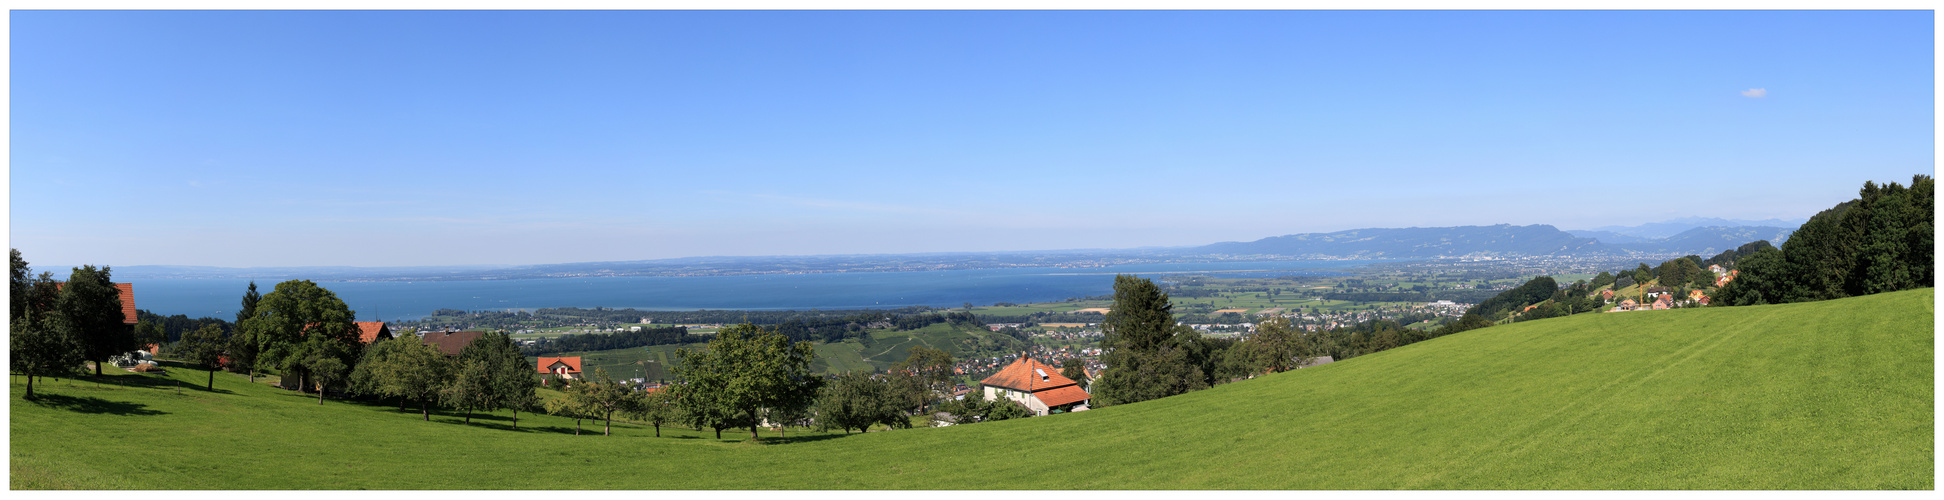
(1825, 395)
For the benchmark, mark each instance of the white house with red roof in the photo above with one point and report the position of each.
(565, 367)
(1038, 386)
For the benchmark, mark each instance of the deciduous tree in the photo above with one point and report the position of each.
(742, 371)
(91, 310)
(858, 401)
(205, 347)
(40, 347)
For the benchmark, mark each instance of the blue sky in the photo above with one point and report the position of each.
(436, 138)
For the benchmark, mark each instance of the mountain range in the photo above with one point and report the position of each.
(1497, 241)
(1503, 240)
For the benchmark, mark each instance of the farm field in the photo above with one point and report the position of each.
(1826, 395)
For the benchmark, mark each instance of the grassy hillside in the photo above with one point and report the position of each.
(1825, 395)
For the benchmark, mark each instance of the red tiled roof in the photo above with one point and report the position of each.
(368, 331)
(1020, 375)
(128, 302)
(1063, 395)
(573, 364)
(450, 343)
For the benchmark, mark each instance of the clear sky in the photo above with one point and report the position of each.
(440, 138)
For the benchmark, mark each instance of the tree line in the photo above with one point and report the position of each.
(1882, 241)
(617, 340)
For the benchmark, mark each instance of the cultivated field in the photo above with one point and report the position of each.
(1827, 395)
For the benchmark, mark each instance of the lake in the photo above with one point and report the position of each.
(399, 300)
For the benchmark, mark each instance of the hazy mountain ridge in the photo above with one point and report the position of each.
(1706, 241)
(1416, 242)
(1670, 228)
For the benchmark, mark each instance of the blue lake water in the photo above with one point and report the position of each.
(395, 300)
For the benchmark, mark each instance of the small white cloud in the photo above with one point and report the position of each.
(1755, 93)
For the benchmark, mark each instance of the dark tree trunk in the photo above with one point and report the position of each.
(577, 426)
(97, 368)
(657, 426)
(516, 419)
(401, 404)
(607, 423)
(718, 433)
(320, 396)
(425, 409)
(212, 379)
(30, 386)
(469, 416)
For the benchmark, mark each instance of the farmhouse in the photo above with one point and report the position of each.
(1037, 385)
(450, 343)
(566, 367)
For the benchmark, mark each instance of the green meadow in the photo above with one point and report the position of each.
(1825, 395)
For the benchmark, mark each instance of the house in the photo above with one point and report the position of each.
(1626, 305)
(1664, 302)
(370, 332)
(1038, 386)
(1606, 295)
(450, 343)
(566, 367)
(1717, 269)
(1697, 295)
(1656, 292)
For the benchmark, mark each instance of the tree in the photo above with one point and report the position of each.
(205, 347)
(404, 367)
(41, 347)
(604, 396)
(657, 408)
(23, 282)
(1278, 347)
(923, 377)
(90, 307)
(574, 401)
(511, 380)
(490, 374)
(471, 387)
(858, 401)
(1074, 369)
(325, 365)
(1143, 355)
(147, 333)
(742, 371)
(297, 309)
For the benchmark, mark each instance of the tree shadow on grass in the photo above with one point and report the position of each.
(159, 382)
(85, 404)
(767, 440)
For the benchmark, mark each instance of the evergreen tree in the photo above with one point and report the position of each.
(23, 283)
(1144, 356)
